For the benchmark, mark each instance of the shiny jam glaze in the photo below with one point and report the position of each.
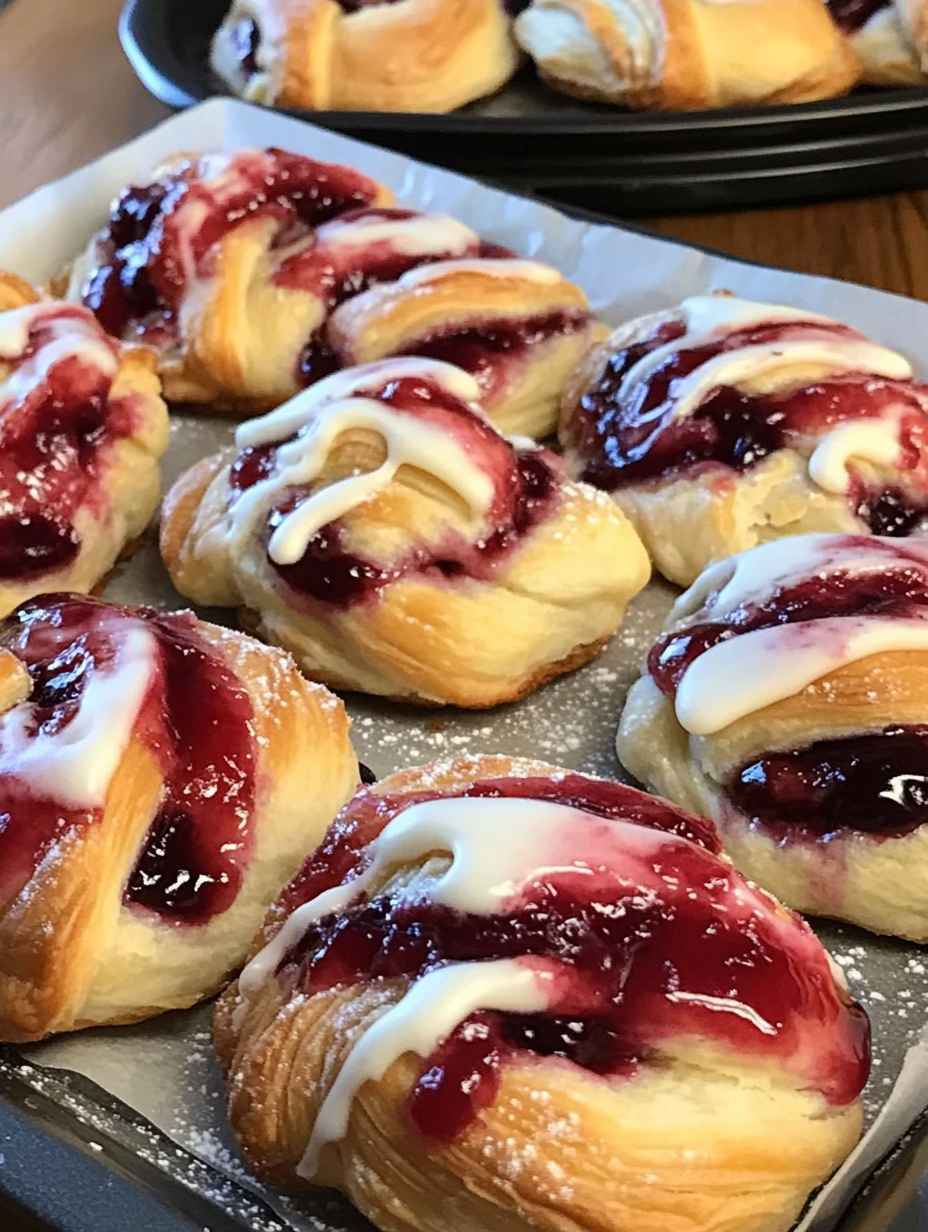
(875, 784)
(161, 235)
(636, 439)
(851, 15)
(637, 967)
(246, 39)
(525, 486)
(54, 442)
(195, 718)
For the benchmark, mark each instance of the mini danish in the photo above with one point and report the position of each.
(890, 37)
(788, 699)
(160, 781)
(380, 528)
(82, 429)
(595, 1025)
(257, 273)
(365, 55)
(721, 424)
(679, 54)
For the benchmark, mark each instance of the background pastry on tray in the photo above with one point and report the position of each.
(788, 699)
(82, 430)
(597, 1024)
(890, 37)
(677, 54)
(160, 779)
(349, 55)
(721, 423)
(256, 273)
(380, 528)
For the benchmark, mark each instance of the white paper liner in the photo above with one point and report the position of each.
(164, 1069)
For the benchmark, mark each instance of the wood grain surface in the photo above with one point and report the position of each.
(67, 94)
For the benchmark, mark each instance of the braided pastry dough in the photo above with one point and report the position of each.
(788, 699)
(381, 529)
(82, 429)
(255, 274)
(890, 37)
(354, 55)
(161, 779)
(721, 424)
(541, 1033)
(688, 53)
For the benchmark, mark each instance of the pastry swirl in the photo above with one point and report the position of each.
(538, 1034)
(788, 700)
(161, 779)
(723, 423)
(381, 528)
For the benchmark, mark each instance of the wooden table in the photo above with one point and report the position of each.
(67, 95)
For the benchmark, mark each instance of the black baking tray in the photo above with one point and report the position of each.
(623, 163)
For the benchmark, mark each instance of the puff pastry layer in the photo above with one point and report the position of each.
(788, 700)
(257, 273)
(890, 37)
(161, 780)
(82, 429)
(354, 55)
(433, 1023)
(722, 423)
(380, 528)
(688, 53)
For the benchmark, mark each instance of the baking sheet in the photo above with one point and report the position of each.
(164, 1069)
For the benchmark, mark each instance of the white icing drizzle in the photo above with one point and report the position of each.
(410, 441)
(278, 424)
(528, 271)
(69, 337)
(426, 1015)
(865, 440)
(76, 764)
(775, 663)
(420, 234)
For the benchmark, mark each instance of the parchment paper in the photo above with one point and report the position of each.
(164, 1069)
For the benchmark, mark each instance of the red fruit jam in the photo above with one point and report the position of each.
(634, 437)
(162, 235)
(650, 943)
(525, 487)
(55, 437)
(851, 15)
(196, 719)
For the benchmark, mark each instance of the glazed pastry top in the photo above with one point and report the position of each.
(604, 928)
(418, 418)
(91, 678)
(724, 382)
(58, 423)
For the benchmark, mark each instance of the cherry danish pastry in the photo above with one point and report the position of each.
(160, 781)
(365, 55)
(82, 429)
(255, 274)
(688, 53)
(596, 1024)
(380, 528)
(722, 423)
(788, 699)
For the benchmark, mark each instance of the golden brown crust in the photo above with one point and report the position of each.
(72, 954)
(15, 291)
(689, 53)
(558, 1148)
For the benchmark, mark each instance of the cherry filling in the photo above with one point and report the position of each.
(900, 590)
(195, 719)
(525, 484)
(160, 235)
(851, 15)
(876, 785)
(53, 442)
(636, 438)
(246, 39)
(637, 964)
